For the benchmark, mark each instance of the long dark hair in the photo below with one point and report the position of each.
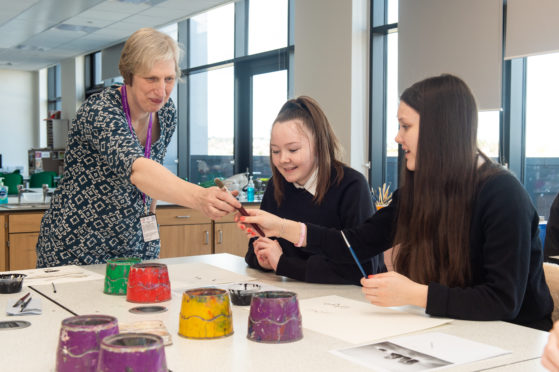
(326, 145)
(435, 207)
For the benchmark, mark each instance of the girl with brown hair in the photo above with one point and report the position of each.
(464, 231)
(310, 184)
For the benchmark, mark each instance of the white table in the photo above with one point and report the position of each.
(32, 348)
(237, 353)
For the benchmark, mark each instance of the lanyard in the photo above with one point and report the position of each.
(147, 151)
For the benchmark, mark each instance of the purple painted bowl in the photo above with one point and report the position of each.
(79, 341)
(274, 317)
(132, 352)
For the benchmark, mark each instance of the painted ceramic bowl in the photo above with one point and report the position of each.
(79, 341)
(132, 352)
(148, 283)
(205, 314)
(241, 293)
(116, 276)
(11, 283)
(274, 317)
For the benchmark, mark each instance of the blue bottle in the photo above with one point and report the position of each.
(3, 192)
(250, 190)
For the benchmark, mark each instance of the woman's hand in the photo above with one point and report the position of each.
(270, 224)
(268, 252)
(550, 357)
(216, 203)
(393, 289)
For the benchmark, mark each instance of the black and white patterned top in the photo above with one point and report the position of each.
(95, 211)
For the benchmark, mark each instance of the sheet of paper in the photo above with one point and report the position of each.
(154, 327)
(192, 275)
(58, 274)
(359, 322)
(424, 352)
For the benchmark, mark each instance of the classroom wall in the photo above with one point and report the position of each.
(20, 123)
(331, 65)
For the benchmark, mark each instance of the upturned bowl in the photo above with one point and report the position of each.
(11, 283)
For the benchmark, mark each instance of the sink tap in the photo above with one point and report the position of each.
(20, 190)
(46, 192)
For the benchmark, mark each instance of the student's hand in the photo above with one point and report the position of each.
(550, 357)
(393, 289)
(216, 203)
(269, 223)
(267, 251)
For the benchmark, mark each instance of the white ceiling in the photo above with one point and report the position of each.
(39, 33)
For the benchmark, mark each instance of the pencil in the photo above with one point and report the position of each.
(354, 256)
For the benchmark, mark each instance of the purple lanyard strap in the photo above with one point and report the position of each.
(126, 107)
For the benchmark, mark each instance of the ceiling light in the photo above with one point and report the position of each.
(69, 27)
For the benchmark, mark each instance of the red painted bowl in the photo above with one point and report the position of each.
(148, 283)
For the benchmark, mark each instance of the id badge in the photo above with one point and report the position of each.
(149, 228)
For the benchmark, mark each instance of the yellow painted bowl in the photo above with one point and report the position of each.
(205, 314)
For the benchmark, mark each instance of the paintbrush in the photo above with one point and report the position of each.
(25, 305)
(20, 301)
(354, 255)
(241, 210)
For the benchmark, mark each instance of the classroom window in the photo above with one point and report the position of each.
(211, 36)
(541, 166)
(270, 93)
(267, 27)
(54, 90)
(211, 125)
(383, 149)
(233, 95)
(92, 74)
(392, 102)
(488, 133)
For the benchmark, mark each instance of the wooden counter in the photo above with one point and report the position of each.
(183, 232)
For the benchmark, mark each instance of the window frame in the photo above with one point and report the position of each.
(245, 66)
(377, 93)
(54, 89)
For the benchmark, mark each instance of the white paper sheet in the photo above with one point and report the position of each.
(359, 322)
(192, 275)
(424, 352)
(58, 274)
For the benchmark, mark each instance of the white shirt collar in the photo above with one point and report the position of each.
(310, 185)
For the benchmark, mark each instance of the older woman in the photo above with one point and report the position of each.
(104, 206)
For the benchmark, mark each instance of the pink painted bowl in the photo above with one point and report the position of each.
(134, 352)
(274, 317)
(79, 341)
